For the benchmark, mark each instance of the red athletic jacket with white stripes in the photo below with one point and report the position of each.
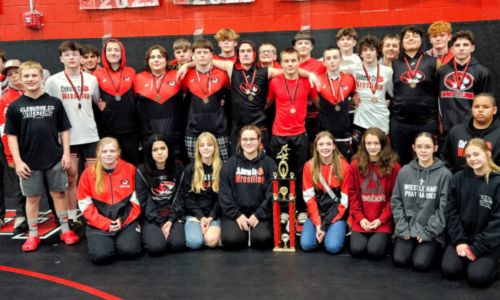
(118, 199)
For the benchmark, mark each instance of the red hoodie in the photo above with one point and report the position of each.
(369, 197)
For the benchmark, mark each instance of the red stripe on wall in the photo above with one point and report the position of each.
(58, 280)
(64, 19)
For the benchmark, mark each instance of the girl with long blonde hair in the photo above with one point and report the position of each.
(106, 195)
(473, 218)
(324, 185)
(201, 186)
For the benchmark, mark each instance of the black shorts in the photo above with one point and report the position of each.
(87, 151)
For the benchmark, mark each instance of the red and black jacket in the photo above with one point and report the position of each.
(207, 102)
(120, 115)
(10, 95)
(118, 199)
(160, 105)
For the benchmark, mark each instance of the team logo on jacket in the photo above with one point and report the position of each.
(124, 183)
(164, 188)
(127, 78)
(171, 82)
(407, 78)
(485, 201)
(215, 80)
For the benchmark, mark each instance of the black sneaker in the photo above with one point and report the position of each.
(22, 228)
(75, 225)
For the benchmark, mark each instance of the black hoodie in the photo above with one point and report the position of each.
(120, 115)
(473, 212)
(453, 149)
(456, 108)
(420, 104)
(245, 186)
(205, 203)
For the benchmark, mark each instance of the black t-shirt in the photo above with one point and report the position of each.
(37, 123)
(248, 100)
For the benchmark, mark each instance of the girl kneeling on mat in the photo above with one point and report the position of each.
(201, 188)
(159, 185)
(325, 193)
(245, 194)
(373, 173)
(473, 218)
(418, 204)
(108, 201)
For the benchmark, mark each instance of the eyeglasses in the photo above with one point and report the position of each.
(246, 140)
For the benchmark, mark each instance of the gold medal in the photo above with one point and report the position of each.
(292, 110)
(374, 99)
(205, 100)
(337, 107)
(250, 98)
(158, 98)
(413, 85)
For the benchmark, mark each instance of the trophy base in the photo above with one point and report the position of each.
(275, 249)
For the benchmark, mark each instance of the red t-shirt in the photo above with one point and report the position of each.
(313, 65)
(290, 111)
(233, 58)
(8, 97)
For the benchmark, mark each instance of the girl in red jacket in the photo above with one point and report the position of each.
(374, 169)
(107, 198)
(325, 193)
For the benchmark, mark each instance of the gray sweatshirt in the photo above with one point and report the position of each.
(419, 200)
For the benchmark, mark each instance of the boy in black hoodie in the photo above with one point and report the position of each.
(483, 124)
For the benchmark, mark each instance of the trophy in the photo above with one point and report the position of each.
(283, 205)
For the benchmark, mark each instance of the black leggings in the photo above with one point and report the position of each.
(411, 253)
(480, 273)
(104, 246)
(233, 238)
(155, 243)
(371, 244)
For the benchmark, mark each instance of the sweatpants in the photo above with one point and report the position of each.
(411, 253)
(154, 240)
(105, 246)
(373, 245)
(233, 238)
(479, 273)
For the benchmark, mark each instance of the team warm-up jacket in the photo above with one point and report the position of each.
(417, 105)
(453, 149)
(419, 201)
(455, 102)
(9, 95)
(207, 94)
(473, 212)
(334, 105)
(245, 186)
(161, 198)
(120, 115)
(205, 203)
(163, 115)
(369, 197)
(322, 209)
(118, 199)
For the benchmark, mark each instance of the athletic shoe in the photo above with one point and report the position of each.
(69, 237)
(75, 225)
(20, 225)
(31, 244)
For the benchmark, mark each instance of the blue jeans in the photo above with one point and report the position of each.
(334, 238)
(194, 236)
